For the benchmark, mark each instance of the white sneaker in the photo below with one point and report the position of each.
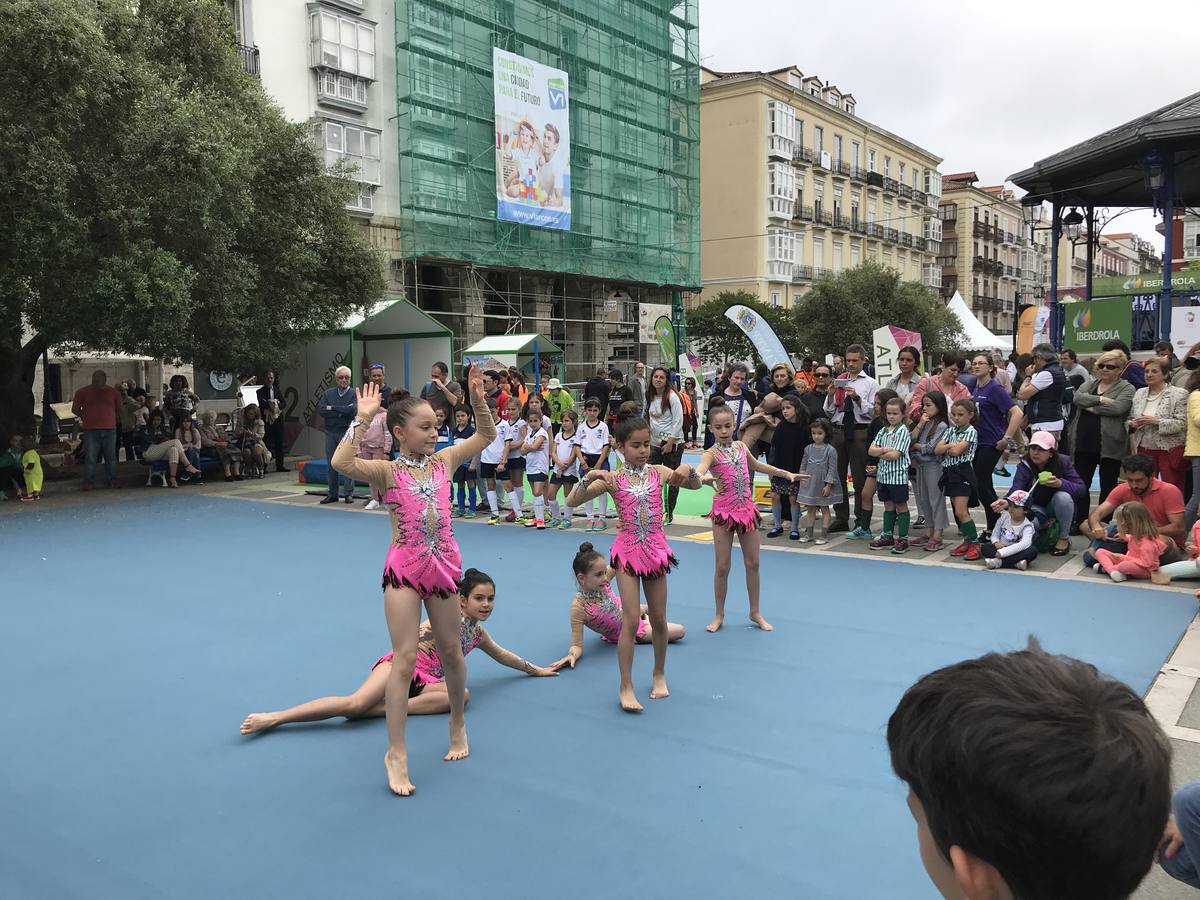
(1022, 564)
(1116, 576)
(993, 563)
(374, 504)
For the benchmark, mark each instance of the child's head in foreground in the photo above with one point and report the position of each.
(1031, 777)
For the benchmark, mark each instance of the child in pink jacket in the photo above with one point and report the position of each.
(1140, 534)
(376, 444)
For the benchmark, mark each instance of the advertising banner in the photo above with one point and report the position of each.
(887, 343)
(1145, 283)
(648, 315)
(533, 142)
(664, 332)
(761, 334)
(1090, 324)
(1185, 329)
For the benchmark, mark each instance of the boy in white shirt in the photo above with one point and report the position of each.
(490, 458)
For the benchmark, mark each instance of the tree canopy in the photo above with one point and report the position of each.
(156, 201)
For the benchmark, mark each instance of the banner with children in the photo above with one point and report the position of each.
(533, 142)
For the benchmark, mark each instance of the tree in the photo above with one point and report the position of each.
(155, 200)
(846, 308)
(720, 340)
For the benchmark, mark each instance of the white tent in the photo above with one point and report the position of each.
(979, 336)
(406, 340)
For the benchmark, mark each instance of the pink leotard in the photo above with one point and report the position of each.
(733, 506)
(428, 666)
(424, 555)
(603, 611)
(641, 546)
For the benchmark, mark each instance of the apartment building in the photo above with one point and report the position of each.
(983, 236)
(794, 183)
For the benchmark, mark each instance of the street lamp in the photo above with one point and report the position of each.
(1073, 223)
(1031, 210)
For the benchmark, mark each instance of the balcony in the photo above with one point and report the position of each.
(804, 213)
(979, 230)
(818, 272)
(840, 169)
(906, 192)
(802, 154)
(802, 273)
(874, 181)
(841, 222)
(1010, 270)
(931, 276)
(858, 226)
(891, 234)
(920, 197)
(891, 185)
(823, 218)
(906, 240)
(874, 230)
(249, 57)
(858, 173)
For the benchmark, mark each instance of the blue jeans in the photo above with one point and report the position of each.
(1185, 864)
(99, 442)
(1062, 507)
(332, 439)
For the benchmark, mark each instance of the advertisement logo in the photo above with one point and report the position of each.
(557, 90)
(1133, 284)
(747, 320)
(1083, 319)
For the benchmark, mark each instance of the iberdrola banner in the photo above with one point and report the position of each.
(761, 334)
(888, 340)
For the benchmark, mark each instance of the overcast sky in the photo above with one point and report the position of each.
(991, 88)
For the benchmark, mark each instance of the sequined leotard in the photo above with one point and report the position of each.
(641, 546)
(601, 612)
(733, 506)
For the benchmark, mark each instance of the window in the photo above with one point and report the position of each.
(837, 148)
(933, 183)
(364, 200)
(949, 212)
(774, 298)
(781, 247)
(837, 257)
(855, 203)
(887, 167)
(818, 196)
(781, 127)
(358, 146)
(849, 107)
(818, 138)
(339, 87)
(855, 256)
(800, 132)
(796, 299)
(814, 90)
(818, 253)
(343, 43)
(887, 214)
(781, 189)
(855, 153)
(901, 170)
(870, 160)
(794, 79)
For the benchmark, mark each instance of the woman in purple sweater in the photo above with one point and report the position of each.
(1053, 485)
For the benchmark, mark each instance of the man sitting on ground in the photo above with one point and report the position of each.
(1031, 776)
(1163, 500)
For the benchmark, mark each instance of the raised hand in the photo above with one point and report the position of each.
(368, 399)
(475, 382)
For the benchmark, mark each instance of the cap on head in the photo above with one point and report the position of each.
(1018, 498)
(1043, 439)
(554, 384)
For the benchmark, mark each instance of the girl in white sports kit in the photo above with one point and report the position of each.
(513, 472)
(536, 448)
(489, 459)
(565, 465)
(594, 444)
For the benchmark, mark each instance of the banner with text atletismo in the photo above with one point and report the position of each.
(533, 142)
(1091, 323)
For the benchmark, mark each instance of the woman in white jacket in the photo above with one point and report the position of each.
(665, 413)
(1158, 423)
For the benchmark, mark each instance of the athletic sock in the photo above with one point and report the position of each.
(795, 517)
(777, 512)
(590, 509)
(471, 497)
(539, 507)
(518, 496)
(554, 509)
(969, 531)
(568, 512)
(493, 503)
(462, 496)
(864, 519)
(902, 520)
(889, 521)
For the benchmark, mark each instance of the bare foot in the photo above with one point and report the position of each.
(396, 764)
(762, 623)
(629, 701)
(715, 625)
(658, 687)
(256, 722)
(458, 742)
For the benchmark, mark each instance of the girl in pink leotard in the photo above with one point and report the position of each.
(423, 563)
(427, 690)
(730, 466)
(640, 553)
(597, 607)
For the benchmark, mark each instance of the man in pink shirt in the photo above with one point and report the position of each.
(98, 407)
(1164, 502)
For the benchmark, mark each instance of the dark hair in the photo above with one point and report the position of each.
(492, 374)
(593, 402)
(442, 367)
(492, 404)
(1053, 462)
(463, 409)
(585, 558)
(627, 410)
(825, 426)
(894, 401)
(155, 412)
(401, 410)
(1055, 774)
(1070, 353)
(938, 399)
(950, 358)
(991, 362)
(914, 353)
(855, 348)
(396, 395)
(761, 371)
(722, 407)
(736, 367)
(473, 578)
(1118, 344)
(627, 428)
(652, 394)
(615, 375)
(1138, 463)
(969, 405)
(883, 395)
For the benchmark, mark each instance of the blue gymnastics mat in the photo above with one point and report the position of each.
(138, 634)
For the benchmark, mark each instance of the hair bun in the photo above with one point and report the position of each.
(470, 572)
(586, 547)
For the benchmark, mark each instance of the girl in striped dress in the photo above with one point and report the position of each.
(734, 511)
(957, 450)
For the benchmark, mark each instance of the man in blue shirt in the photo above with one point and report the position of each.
(338, 408)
